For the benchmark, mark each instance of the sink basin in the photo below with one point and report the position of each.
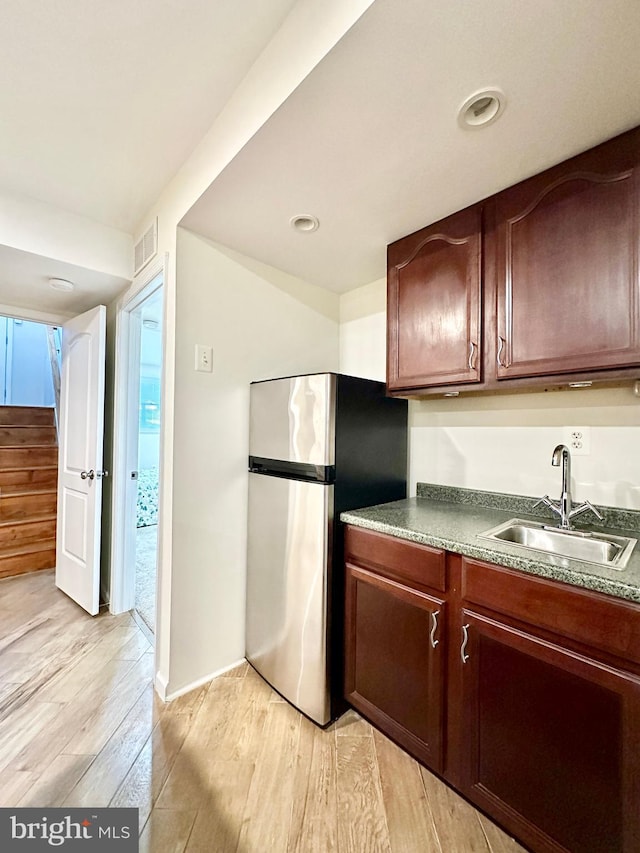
(602, 548)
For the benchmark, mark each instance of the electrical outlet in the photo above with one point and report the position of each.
(578, 440)
(204, 358)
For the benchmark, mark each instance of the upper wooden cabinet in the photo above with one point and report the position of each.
(566, 265)
(539, 284)
(434, 304)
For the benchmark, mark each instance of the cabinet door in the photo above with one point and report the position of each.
(552, 741)
(434, 298)
(567, 264)
(394, 661)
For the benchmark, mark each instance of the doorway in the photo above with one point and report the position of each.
(29, 352)
(136, 457)
(148, 325)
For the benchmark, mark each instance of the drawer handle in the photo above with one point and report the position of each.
(465, 640)
(501, 344)
(434, 628)
(472, 351)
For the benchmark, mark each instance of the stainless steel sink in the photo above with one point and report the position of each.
(602, 548)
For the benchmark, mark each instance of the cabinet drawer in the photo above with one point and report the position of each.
(396, 558)
(591, 618)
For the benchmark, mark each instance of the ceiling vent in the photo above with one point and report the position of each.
(146, 248)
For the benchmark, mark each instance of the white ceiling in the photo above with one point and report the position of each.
(101, 103)
(369, 141)
(24, 283)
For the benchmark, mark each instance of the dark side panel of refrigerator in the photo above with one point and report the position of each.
(319, 445)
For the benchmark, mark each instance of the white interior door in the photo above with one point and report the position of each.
(80, 458)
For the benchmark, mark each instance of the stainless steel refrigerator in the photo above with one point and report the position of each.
(319, 444)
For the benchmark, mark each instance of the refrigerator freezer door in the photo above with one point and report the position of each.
(287, 589)
(293, 419)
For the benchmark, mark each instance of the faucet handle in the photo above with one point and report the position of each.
(546, 500)
(585, 507)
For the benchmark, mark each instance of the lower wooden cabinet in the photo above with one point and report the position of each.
(395, 661)
(551, 740)
(506, 685)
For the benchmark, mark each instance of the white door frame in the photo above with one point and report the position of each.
(125, 437)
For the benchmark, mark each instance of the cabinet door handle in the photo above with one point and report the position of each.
(434, 628)
(465, 640)
(472, 351)
(501, 344)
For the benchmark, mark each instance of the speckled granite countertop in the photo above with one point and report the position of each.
(451, 518)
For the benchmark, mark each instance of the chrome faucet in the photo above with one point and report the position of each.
(561, 455)
(565, 508)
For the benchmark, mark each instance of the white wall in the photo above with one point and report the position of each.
(49, 317)
(363, 318)
(308, 33)
(25, 364)
(503, 442)
(460, 451)
(42, 229)
(258, 329)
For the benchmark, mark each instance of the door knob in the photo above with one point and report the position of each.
(88, 475)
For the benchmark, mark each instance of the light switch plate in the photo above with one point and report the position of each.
(204, 358)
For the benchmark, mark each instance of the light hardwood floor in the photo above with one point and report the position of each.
(228, 767)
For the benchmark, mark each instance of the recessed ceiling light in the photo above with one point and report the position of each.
(481, 109)
(61, 284)
(304, 222)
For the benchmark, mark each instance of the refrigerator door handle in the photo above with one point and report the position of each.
(305, 471)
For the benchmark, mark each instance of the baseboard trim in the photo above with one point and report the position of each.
(168, 697)
(160, 684)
